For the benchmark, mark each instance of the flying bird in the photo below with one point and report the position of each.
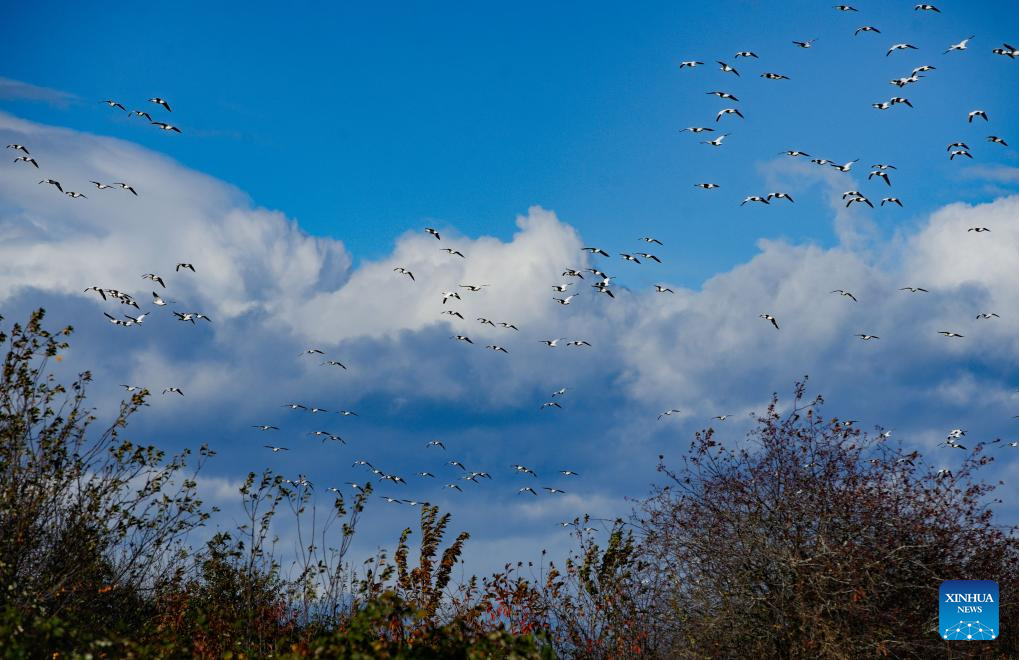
(770, 318)
(896, 47)
(433, 233)
(891, 200)
(843, 292)
(54, 183)
(27, 159)
(669, 412)
(404, 271)
(19, 147)
(959, 46)
(976, 113)
(162, 102)
(726, 68)
(166, 127)
(729, 111)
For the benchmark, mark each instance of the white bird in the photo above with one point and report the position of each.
(629, 257)
(985, 315)
(165, 126)
(463, 338)
(774, 76)
(53, 182)
(595, 250)
(689, 63)
(866, 337)
(925, 7)
(976, 113)
(729, 111)
(27, 159)
(265, 427)
(997, 140)
(697, 129)
(723, 95)
(769, 318)
(866, 28)
(496, 348)
(173, 390)
(960, 153)
(896, 47)
(948, 333)
(75, 195)
(19, 147)
(754, 198)
(845, 168)
(669, 412)
(959, 46)
(663, 289)
(859, 199)
(717, 142)
(101, 186)
(578, 342)
(891, 200)
(404, 271)
(453, 252)
(550, 404)
(333, 363)
(114, 104)
(747, 53)
(433, 233)
(184, 265)
(706, 186)
(446, 295)
(780, 195)
(805, 44)
(154, 278)
(726, 68)
(880, 174)
(566, 300)
(551, 343)
(651, 239)
(162, 102)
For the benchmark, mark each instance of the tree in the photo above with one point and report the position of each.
(815, 540)
(88, 521)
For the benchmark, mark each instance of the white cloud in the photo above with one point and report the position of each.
(273, 290)
(17, 90)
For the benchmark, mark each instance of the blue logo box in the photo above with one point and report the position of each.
(968, 610)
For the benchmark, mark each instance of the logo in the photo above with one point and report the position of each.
(968, 610)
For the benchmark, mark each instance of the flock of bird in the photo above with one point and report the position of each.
(456, 298)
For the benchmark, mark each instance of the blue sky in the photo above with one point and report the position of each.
(364, 124)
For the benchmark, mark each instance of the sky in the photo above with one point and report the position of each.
(318, 142)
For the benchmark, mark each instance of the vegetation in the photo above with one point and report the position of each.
(810, 540)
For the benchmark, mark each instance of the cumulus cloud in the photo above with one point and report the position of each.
(273, 290)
